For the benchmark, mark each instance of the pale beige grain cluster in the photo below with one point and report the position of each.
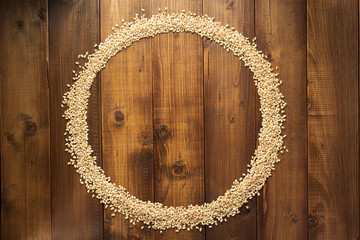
(154, 214)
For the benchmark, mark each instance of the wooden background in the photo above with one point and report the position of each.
(175, 118)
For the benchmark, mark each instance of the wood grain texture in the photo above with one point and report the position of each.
(280, 28)
(127, 117)
(178, 117)
(74, 29)
(25, 133)
(229, 117)
(333, 156)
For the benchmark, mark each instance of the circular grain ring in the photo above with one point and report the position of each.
(155, 214)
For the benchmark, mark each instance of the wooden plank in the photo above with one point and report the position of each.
(25, 130)
(333, 119)
(280, 28)
(229, 117)
(178, 117)
(74, 29)
(127, 117)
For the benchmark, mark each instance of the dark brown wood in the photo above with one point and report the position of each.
(280, 28)
(229, 117)
(74, 29)
(178, 117)
(333, 156)
(25, 133)
(127, 117)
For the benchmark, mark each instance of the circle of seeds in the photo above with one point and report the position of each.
(154, 214)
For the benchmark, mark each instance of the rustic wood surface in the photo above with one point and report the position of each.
(229, 97)
(178, 117)
(281, 32)
(175, 118)
(127, 136)
(73, 29)
(333, 155)
(25, 123)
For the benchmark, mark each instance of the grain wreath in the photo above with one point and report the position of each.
(154, 214)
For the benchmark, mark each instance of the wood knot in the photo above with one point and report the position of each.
(179, 169)
(119, 117)
(244, 210)
(230, 5)
(313, 222)
(20, 24)
(30, 127)
(133, 233)
(293, 217)
(163, 131)
(10, 137)
(42, 14)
